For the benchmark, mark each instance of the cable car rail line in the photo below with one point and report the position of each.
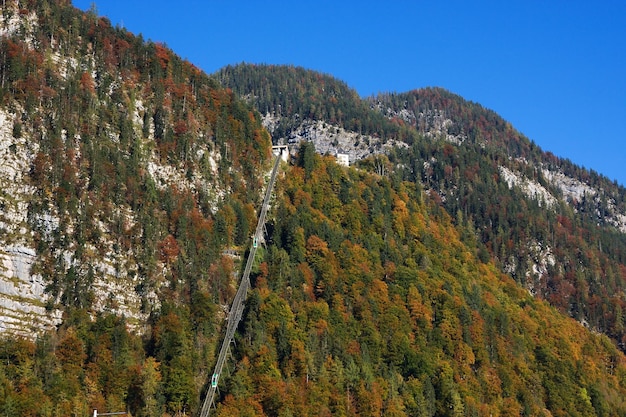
(238, 305)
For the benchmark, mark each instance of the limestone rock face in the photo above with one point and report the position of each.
(22, 297)
(84, 160)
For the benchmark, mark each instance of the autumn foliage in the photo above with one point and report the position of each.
(399, 317)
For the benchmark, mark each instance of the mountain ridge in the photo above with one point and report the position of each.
(472, 161)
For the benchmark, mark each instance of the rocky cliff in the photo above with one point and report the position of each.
(111, 150)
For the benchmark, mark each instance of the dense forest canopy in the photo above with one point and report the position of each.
(293, 94)
(143, 169)
(570, 254)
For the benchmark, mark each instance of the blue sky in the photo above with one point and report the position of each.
(555, 69)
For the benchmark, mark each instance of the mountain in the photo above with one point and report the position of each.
(130, 188)
(558, 229)
(112, 146)
(125, 173)
(369, 303)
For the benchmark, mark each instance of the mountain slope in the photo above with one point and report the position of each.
(126, 169)
(558, 229)
(125, 174)
(370, 304)
(298, 104)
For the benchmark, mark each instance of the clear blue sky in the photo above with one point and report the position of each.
(555, 69)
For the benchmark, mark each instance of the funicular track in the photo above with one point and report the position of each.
(238, 305)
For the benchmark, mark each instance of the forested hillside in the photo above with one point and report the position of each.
(368, 303)
(294, 94)
(130, 157)
(558, 229)
(129, 176)
(125, 173)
